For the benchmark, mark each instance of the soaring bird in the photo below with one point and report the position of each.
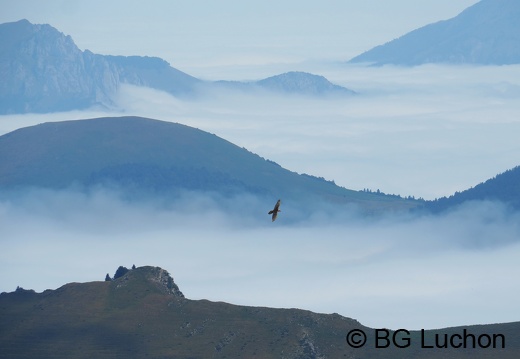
(275, 210)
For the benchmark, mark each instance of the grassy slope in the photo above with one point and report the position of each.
(156, 154)
(134, 317)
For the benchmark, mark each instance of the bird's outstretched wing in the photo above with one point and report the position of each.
(275, 210)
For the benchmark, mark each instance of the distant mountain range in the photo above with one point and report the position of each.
(144, 314)
(486, 33)
(44, 71)
(156, 157)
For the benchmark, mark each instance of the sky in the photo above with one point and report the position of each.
(201, 35)
(426, 131)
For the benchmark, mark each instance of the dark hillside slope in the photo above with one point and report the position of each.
(139, 315)
(158, 156)
(504, 187)
(486, 33)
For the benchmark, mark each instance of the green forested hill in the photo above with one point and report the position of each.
(158, 157)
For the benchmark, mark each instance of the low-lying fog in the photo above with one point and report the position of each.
(397, 271)
(427, 131)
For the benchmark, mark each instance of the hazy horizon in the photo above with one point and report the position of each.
(204, 37)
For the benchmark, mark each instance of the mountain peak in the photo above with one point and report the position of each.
(485, 33)
(156, 276)
(47, 72)
(29, 40)
(301, 83)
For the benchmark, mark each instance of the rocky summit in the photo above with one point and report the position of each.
(44, 71)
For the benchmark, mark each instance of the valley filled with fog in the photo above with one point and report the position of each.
(394, 270)
(426, 132)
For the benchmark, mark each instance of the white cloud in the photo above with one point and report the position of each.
(427, 131)
(392, 271)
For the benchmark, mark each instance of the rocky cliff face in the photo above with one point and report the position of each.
(164, 281)
(158, 277)
(43, 70)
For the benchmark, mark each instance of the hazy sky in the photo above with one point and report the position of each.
(193, 34)
(426, 131)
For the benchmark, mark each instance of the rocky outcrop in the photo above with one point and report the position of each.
(160, 278)
(163, 280)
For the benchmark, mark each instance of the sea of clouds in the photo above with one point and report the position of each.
(427, 131)
(397, 270)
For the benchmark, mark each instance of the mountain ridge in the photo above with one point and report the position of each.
(504, 187)
(136, 315)
(156, 158)
(142, 154)
(44, 71)
(487, 33)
